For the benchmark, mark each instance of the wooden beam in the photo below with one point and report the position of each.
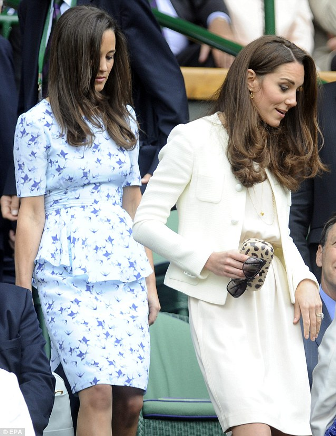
(327, 76)
(202, 83)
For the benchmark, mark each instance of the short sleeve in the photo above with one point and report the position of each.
(133, 178)
(30, 157)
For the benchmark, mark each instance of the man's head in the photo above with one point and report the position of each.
(326, 257)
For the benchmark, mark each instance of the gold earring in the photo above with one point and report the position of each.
(251, 94)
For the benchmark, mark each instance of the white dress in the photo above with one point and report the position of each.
(252, 355)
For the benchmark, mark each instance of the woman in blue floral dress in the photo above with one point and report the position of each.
(76, 157)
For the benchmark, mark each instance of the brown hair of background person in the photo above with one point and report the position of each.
(326, 228)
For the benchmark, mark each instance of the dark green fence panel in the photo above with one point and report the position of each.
(197, 33)
(269, 17)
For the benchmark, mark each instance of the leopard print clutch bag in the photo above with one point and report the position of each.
(263, 250)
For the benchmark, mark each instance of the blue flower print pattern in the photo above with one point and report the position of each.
(89, 271)
(331, 431)
(99, 332)
(86, 228)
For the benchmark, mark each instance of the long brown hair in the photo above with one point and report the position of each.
(289, 151)
(74, 65)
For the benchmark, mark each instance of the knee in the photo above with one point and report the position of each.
(97, 397)
(134, 405)
(128, 404)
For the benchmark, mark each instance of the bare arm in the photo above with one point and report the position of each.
(131, 200)
(218, 26)
(28, 235)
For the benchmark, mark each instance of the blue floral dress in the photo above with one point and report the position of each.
(331, 431)
(89, 271)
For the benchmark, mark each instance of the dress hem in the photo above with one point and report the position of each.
(86, 386)
(255, 417)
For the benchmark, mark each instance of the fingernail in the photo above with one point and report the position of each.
(15, 212)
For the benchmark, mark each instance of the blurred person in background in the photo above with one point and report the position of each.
(324, 12)
(22, 353)
(210, 14)
(293, 21)
(325, 259)
(8, 117)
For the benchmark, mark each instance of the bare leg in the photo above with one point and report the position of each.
(95, 411)
(276, 432)
(127, 404)
(255, 429)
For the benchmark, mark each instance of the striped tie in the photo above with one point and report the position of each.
(57, 10)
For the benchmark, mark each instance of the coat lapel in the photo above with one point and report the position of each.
(279, 193)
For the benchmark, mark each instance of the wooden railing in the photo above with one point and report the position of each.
(202, 83)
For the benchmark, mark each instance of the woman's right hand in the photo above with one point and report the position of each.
(227, 264)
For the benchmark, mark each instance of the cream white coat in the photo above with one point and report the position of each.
(195, 174)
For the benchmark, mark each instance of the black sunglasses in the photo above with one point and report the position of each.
(251, 268)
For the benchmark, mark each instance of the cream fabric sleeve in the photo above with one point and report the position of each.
(299, 270)
(169, 182)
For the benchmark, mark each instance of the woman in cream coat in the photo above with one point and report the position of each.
(229, 175)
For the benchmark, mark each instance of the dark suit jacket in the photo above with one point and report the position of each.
(311, 347)
(158, 88)
(315, 201)
(8, 109)
(198, 11)
(8, 116)
(22, 352)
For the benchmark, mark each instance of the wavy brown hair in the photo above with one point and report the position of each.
(290, 151)
(74, 65)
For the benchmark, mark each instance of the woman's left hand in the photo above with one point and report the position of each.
(308, 304)
(153, 299)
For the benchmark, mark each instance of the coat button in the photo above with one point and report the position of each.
(239, 187)
(234, 221)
